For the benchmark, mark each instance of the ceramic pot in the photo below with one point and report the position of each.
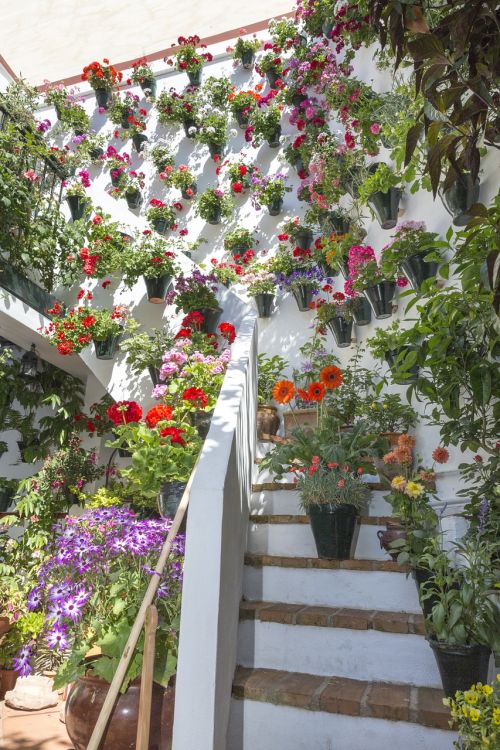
(186, 195)
(161, 226)
(148, 85)
(394, 530)
(84, 704)
(157, 288)
(268, 420)
(275, 207)
(417, 270)
(264, 302)
(8, 679)
(362, 312)
(333, 529)
(201, 421)
(272, 77)
(107, 348)
(77, 206)
(188, 124)
(134, 199)
(303, 294)
(303, 238)
(459, 198)
(380, 297)
(139, 140)
(103, 97)
(247, 58)
(169, 499)
(385, 206)
(195, 78)
(274, 139)
(460, 666)
(342, 331)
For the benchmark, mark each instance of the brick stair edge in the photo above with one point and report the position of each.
(258, 560)
(281, 519)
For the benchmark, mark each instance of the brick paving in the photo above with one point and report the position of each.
(32, 730)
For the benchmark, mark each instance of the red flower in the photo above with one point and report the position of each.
(227, 331)
(158, 413)
(184, 333)
(124, 412)
(65, 347)
(88, 321)
(183, 232)
(282, 237)
(440, 455)
(196, 396)
(242, 170)
(106, 283)
(194, 319)
(237, 187)
(175, 435)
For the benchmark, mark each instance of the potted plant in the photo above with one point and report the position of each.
(414, 252)
(130, 186)
(155, 260)
(244, 51)
(300, 234)
(242, 104)
(332, 497)
(215, 92)
(474, 713)
(398, 348)
(161, 216)
(20, 638)
(145, 351)
(162, 158)
(77, 199)
(225, 273)
(270, 370)
(390, 418)
(238, 240)
(82, 325)
(122, 109)
(98, 618)
(196, 292)
(462, 625)
(240, 174)
(303, 283)
(179, 108)
(265, 125)
(137, 128)
(183, 179)
(260, 283)
(102, 78)
(366, 276)
(269, 191)
(213, 132)
(336, 312)
(459, 197)
(91, 147)
(143, 74)
(187, 58)
(380, 190)
(214, 204)
(271, 66)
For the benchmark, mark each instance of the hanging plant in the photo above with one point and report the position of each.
(189, 60)
(244, 51)
(161, 216)
(143, 74)
(213, 205)
(265, 125)
(82, 325)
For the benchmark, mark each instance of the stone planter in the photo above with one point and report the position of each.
(107, 348)
(264, 302)
(103, 97)
(460, 666)
(77, 206)
(380, 297)
(333, 529)
(303, 294)
(268, 420)
(385, 206)
(417, 270)
(156, 288)
(342, 331)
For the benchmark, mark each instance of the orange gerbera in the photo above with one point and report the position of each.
(316, 392)
(301, 393)
(331, 376)
(283, 391)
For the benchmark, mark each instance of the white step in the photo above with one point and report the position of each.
(360, 589)
(287, 502)
(297, 539)
(358, 654)
(256, 725)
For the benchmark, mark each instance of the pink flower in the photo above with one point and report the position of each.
(375, 128)
(402, 281)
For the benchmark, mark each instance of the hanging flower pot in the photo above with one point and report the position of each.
(238, 250)
(297, 99)
(215, 216)
(243, 118)
(115, 175)
(188, 126)
(362, 312)
(327, 270)
(337, 222)
(460, 197)
(134, 199)
(124, 453)
(326, 28)
(139, 140)
(96, 152)
(77, 206)
(342, 331)
(106, 349)
(154, 374)
(188, 196)
(460, 666)
(303, 294)
(148, 85)
(385, 206)
(380, 297)
(301, 167)
(417, 270)
(169, 498)
(264, 302)
(333, 529)
(161, 226)
(156, 288)
(103, 97)
(268, 420)
(247, 58)
(216, 149)
(275, 207)
(394, 530)
(201, 421)
(274, 139)
(125, 123)
(195, 78)
(84, 705)
(6, 496)
(272, 78)
(211, 318)
(304, 238)
(412, 372)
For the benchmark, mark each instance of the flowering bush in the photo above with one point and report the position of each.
(194, 292)
(178, 108)
(101, 76)
(187, 58)
(151, 257)
(82, 325)
(91, 587)
(214, 202)
(323, 483)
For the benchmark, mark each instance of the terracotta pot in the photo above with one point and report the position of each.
(392, 437)
(8, 679)
(394, 530)
(301, 417)
(268, 420)
(84, 704)
(4, 625)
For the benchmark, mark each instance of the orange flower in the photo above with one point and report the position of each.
(301, 393)
(158, 413)
(283, 391)
(406, 441)
(331, 376)
(440, 455)
(316, 392)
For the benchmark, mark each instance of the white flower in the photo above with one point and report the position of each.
(210, 129)
(191, 130)
(233, 132)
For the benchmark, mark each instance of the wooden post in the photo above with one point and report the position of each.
(144, 720)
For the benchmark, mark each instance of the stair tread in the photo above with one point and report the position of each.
(333, 617)
(342, 695)
(303, 519)
(257, 559)
(291, 486)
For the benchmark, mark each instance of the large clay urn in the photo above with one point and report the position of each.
(268, 420)
(84, 704)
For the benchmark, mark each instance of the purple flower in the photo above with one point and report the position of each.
(57, 637)
(34, 599)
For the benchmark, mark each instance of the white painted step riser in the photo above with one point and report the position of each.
(357, 654)
(286, 502)
(297, 540)
(332, 588)
(256, 725)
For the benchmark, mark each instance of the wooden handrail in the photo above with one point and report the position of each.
(121, 670)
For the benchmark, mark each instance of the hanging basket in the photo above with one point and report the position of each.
(242, 118)
(211, 317)
(214, 217)
(161, 226)
(274, 139)
(185, 195)
(417, 270)
(103, 97)
(342, 331)
(303, 294)
(134, 199)
(148, 85)
(272, 78)
(188, 125)
(385, 206)
(217, 149)
(264, 303)
(156, 288)
(107, 348)
(380, 297)
(78, 206)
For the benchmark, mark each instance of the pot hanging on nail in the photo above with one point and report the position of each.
(417, 270)
(380, 297)
(156, 288)
(459, 198)
(264, 303)
(385, 206)
(247, 59)
(275, 207)
(342, 331)
(103, 97)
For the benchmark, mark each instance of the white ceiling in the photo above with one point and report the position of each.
(54, 39)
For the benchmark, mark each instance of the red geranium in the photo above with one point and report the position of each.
(175, 435)
(227, 331)
(194, 319)
(158, 413)
(124, 412)
(184, 333)
(196, 396)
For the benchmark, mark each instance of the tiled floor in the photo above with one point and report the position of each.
(32, 730)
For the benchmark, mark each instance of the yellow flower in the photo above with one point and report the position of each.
(384, 406)
(498, 678)
(487, 689)
(471, 697)
(496, 716)
(374, 405)
(475, 715)
(414, 489)
(465, 710)
(398, 483)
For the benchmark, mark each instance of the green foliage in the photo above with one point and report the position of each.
(211, 202)
(22, 631)
(215, 91)
(237, 238)
(245, 45)
(379, 180)
(265, 123)
(270, 369)
(145, 350)
(388, 413)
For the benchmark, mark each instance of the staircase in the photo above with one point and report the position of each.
(331, 654)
